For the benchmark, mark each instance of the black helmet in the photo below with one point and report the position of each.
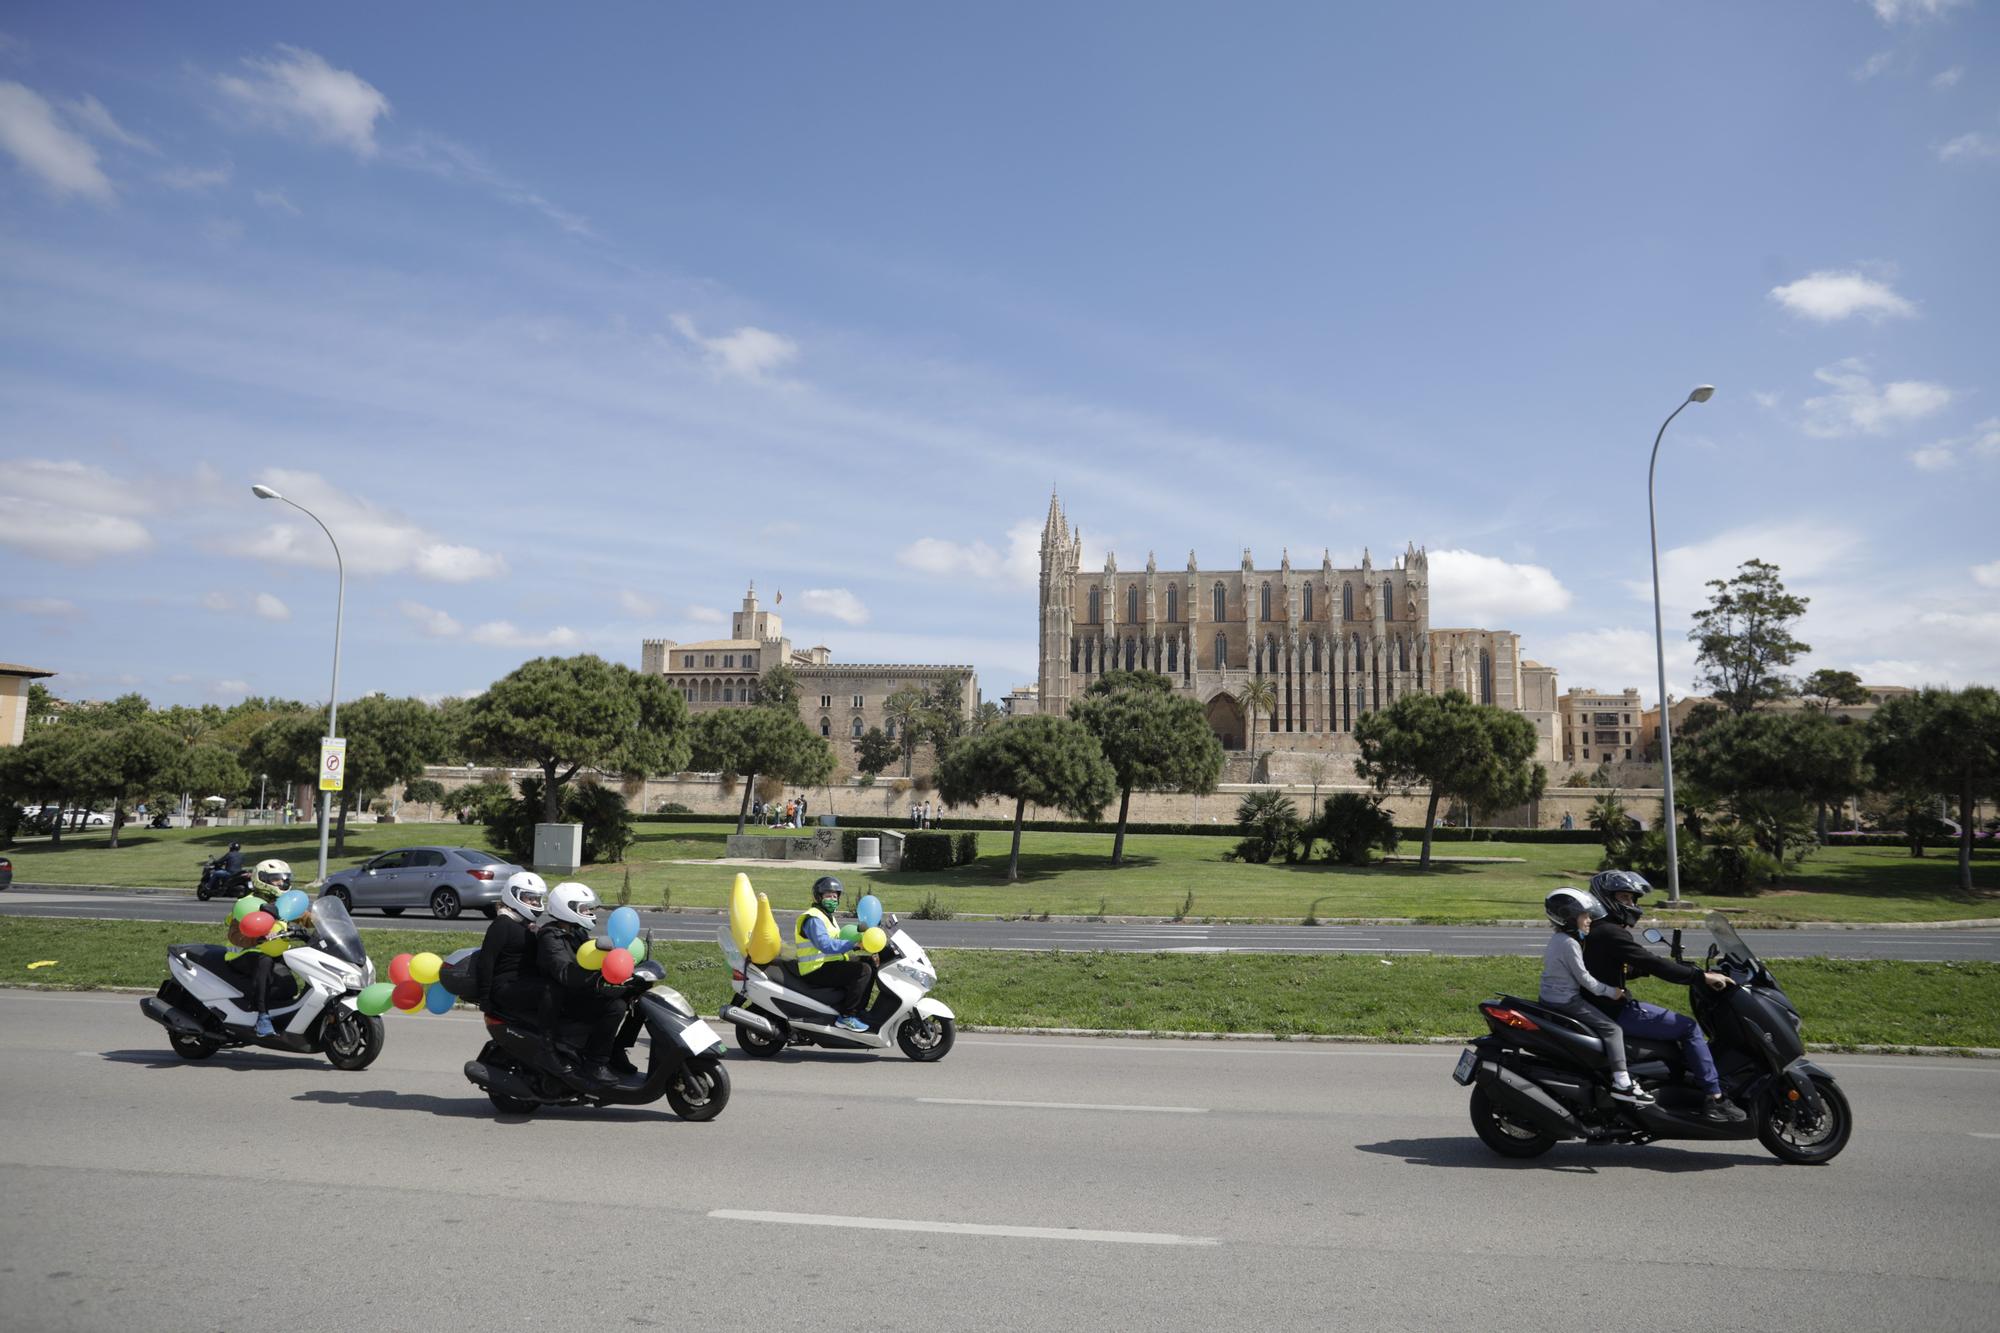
(1565, 906)
(235, 846)
(1607, 882)
(826, 886)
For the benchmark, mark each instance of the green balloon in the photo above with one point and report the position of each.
(247, 904)
(637, 948)
(850, 933)
(376, 999)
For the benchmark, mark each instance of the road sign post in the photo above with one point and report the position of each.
(332, 763)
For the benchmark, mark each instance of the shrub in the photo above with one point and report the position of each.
(1352, 825)
(965, 849)
(1272, 823)
(927, 850)
(674, 808)
(607, 824)
(933, 908)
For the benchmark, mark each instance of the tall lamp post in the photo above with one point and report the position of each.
(1701, 394)
(263, 492)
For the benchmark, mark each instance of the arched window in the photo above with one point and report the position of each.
(1309, 601)
(704, 691)
(1075, 649)
(1316, 665)
(1221, 602)
(1270, 653)
(1132, 603)
(729, 694)
(854, 727)
(1173, 604)
(1403, 654)
(1264, 602)
(826, 726)
(1096, 605)
(1089, 655)
(1347, 601)
(1173, 655)
(1388, 600)
(1221, 650)
(889, 728)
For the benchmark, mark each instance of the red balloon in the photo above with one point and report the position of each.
(399, 968)
(409, 994)
(618, 966)
(257, 925)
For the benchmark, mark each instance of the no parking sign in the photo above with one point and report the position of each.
(332, 763)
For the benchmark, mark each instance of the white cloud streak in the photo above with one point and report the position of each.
(1947, 79)
(296, 92)
(1831, 295)
(1913, 11)
(47, 608)
(837, 603)
(432, 622)
(60, 158)
(1019, 564)
(69, 511)
(1468, 588)
(373, 540)
(748, 353)
(1857, 405)
(1987, 576)
(270, 608)
(1970, 147)
(90, 115)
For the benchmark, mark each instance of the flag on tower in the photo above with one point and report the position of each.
(781, 598)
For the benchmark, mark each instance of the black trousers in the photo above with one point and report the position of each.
(852, 980)
(255, 969)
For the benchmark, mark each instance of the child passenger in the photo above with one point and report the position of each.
(1564, 979)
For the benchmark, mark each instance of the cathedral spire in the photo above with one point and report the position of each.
(1052, 531)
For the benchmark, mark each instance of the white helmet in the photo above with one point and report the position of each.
(572, 903)
(1564, 906)
(524, 894)
(272, 877)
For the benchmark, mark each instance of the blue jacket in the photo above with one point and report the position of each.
(828, 944)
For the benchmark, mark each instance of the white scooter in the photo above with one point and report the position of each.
(774, 1008)
(203, 1007)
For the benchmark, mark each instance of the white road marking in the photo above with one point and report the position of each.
(1977, 1135)
(1062, 1106)
(962, 1228)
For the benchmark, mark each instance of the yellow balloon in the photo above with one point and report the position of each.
(424, 968)
(873, 940)
(742, 911)
(765, 942)
(589, 956)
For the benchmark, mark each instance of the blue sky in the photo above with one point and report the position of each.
(570, 322)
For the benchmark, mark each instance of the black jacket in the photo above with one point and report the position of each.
(506, 957)
(1612, 956)
(555, 958)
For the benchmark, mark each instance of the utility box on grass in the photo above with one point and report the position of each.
(558, 848)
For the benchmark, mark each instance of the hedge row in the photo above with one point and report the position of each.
(923, 849)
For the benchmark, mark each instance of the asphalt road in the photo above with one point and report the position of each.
(1020, 1183)
(1915, 945)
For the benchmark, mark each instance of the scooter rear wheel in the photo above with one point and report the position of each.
(756, 1043)
(190, 1047)
(1507, 1137)
(700, 1090)
(506, 1105)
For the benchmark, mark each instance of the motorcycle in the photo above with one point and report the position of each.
(204, 1008)
(1538, 1076)
(774, 1007)
(523, 1067)
(217, 882)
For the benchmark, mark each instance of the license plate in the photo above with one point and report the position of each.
(699, 1036)
(1467, 1064)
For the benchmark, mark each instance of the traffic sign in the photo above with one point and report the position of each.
(332, 763)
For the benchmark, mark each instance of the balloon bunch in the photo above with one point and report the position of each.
(412, 985)
(256, 920)
(755, 930)
(627, 950)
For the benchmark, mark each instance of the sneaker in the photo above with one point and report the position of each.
(264, 1028)
(1632, 1095)
(851, 1023)
(1722, 1112)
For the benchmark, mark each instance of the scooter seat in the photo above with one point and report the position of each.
(210, 956)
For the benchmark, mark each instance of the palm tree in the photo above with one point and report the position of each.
(905, 708)
(1257, 696)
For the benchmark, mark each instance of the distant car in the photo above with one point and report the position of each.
(6, 872)
(447, 880)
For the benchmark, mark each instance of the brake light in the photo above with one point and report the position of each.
(493, 1022)
(1512, 1018)
(734, 975)
(482, 874)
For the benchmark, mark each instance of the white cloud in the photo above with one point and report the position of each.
(1019, 564)
(1913, 11)
(373, 540)
(1468, 588)
(1969, 147)
(297, 92)
(276, 201)
(1801, 549)
(50, 608)
(270, 608)
(1857, 404)
(1874, 65)
(197, 178)
(229, 689)
(74, 485)
(1933, 458)
(1984, 441)
(1985, 438)
(1947, 78)
(637, 604)
(457, 163)
(218, 602)
(505, 634)
(67, 533)
(89, 115)
(1831, 295)
(433, 622)
(706, 615)
(58, 156)
(838, 603)
(748, 353)
(1617, 658)
(1768, 400)
(1987, 576)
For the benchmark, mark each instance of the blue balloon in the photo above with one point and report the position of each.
(869, 910)
(437, 999)
(292, 904)
(623, 927)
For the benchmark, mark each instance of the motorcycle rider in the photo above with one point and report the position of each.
(1565, 982)
(504, 968)
(1614, 957)
(577, 997)
(256, 959)
(816, 939)
(224, 869)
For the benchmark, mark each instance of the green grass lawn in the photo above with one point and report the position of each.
(1402, 999)
(1070, 874)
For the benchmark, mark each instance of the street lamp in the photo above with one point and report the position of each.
(263, 492)
(1701, 394)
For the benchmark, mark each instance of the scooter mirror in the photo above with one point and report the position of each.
(1653, 935)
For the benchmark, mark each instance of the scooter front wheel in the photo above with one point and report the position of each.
(700, 1090)
(1806, 1147)
(353, 1040)
(926, 1038)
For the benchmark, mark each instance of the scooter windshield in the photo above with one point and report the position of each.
(1732, 945)
(333, 932)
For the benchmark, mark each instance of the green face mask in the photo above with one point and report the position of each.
(831, 906)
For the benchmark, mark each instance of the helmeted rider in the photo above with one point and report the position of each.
(232, 862)
(1614, 957)
(504, 969)
(817, 949)
(254, 959)
(1571, 914)
(578, 996)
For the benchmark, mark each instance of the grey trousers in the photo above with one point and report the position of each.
(1588, 1014)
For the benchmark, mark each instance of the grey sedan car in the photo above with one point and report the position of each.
(447, 880)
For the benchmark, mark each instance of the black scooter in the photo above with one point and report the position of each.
(1538, 1076)
(218, 882)
(524, 1068)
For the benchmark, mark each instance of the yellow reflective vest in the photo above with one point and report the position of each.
(804, 952)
